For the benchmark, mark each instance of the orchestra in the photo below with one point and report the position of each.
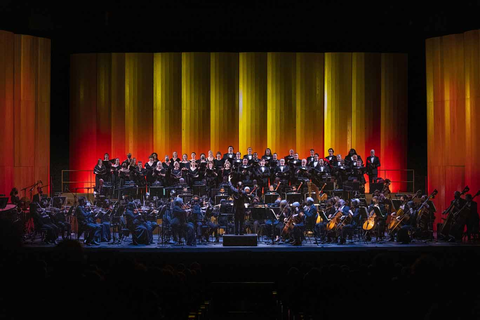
(278, 199)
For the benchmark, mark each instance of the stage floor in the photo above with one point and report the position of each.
(265, 245)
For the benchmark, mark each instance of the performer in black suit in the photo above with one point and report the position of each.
(229, 155)
(240, 197)
(331, 158)
(283, 173)
(311, 158)
(262, 175)
(249, 155)
(288, 158)
(373, 162)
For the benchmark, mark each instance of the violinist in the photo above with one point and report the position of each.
(104, 215)
(136, 224)
(86, 221)
(43, 222)
(179, 221)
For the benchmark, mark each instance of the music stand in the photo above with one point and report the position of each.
(293, 197)
(186, 197)
(220, 197)
(271, 197)
(158, 191)
(59, 201)
(199, 189)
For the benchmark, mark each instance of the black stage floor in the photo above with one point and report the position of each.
(265, 245)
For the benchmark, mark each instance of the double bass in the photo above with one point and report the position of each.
(448, 223)
(460, 219)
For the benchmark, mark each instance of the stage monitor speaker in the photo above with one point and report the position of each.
(376, 186)
(246, 240)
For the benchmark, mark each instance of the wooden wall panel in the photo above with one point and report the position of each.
(104, 110)
(472, 109)
(366, 105)
(253, 102)
(26, 51)
(7, 40)
(117, 98)
(394, 111)
(338, 102)
(139, 104)
(195, 102)
(281, 122)
(224, 79)
(167, 103)
(309, 103)
(83, 106)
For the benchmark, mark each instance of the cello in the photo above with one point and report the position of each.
(400, 216)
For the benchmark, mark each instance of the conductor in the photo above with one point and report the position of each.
(240, 197)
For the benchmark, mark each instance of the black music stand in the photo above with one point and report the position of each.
(58, 202)
(292, 197)
(157, 191)
(264, 213)
(199, 189)
(271, 197)
(219, 197)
